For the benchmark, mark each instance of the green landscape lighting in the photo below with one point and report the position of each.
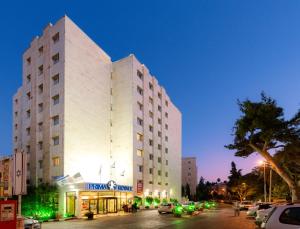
(178, 210)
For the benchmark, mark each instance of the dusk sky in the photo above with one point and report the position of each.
(206, 53)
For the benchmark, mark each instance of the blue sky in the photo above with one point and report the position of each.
(206, 53)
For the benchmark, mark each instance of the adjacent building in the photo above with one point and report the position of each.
(189, 173)
(104, 131)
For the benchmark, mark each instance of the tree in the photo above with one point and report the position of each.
(243, 190)
(218, 180)
(263, 129)
(235, 175)
(188, 191)
(203, 190)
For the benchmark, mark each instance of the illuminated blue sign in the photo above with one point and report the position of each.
(111, 185)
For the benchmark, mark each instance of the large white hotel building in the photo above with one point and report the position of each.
(104, 131)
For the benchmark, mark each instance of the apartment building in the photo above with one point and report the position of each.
(189, 173)
(104, 131)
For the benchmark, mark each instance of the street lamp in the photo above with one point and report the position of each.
(264, 163)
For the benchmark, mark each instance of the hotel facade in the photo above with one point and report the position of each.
(103, 131)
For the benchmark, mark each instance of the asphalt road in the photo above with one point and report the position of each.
(221, 218)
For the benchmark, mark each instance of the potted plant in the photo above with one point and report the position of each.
(156, 202)
(89, 215)
(148, 201)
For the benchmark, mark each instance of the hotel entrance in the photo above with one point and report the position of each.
(101, 205)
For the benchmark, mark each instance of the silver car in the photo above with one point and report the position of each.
(30, 223)
(166, 208)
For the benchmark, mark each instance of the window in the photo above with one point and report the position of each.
(55, 79)
(166, 174)
(140, 121)
(28, 78)
(140, 74)
(159, 95)
(139, 152)
(139, 137)
(189, 174)
(150, 170)
(28, 148)
(16, 101)
(28, 113)
(189, 162)
(166, 138)
(167, 103)
(159, 134)
(159, 121)
(140, 168)
(290, 216)
(41, 70)
(41, 50)
(28, 60)
(55, 161)
(151, 128)
(166, 126)
(16, 126)
(150, 100)
(166, 184)
(40, 143)
(28, 131)
(150, 142)
(55, 140)
(40, 126)
(140, 106)
(16, 114)
(55, 99)
(150, 182)
(159, 173)
(159, 183)
(55, 38)
(139, 90)
(166, 150)
(28, 166)
(28, 95)
(159, 146)
(55, 58)
(40, 180)
(41, 164)
(55, 120)
(16, 138)
(150, 156)
(159, 159)
(150, 86)
(151, 114)
(166, 114)
(167, 162)
(40, 107)
(40, 88)
(159, 107)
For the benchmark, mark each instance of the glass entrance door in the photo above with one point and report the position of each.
(111, 205)
(93, 206)
(70, 203)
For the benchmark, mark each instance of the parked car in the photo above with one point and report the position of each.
(284, 216)
(252, 211)
(166, 208)
(244, 205)
(261, 214)
(30, 223)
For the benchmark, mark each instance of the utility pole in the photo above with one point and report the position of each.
(270, 187)
(265, 184)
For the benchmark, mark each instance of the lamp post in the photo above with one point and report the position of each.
(265, 181)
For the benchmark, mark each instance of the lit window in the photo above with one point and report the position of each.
(139, 137)
(139, 90)
(55, 161)
(140, 74)
(55, 120)
(140, 106)
(41, 50)
(55, 99)
(55, 140)
(140, 121)
(151, 157)
(41, 70)
(140, 168)
(40, 107)
(55, 79)
(150, 170)
(139, 152)
(28, 78)
(55, 58)
(55, 38)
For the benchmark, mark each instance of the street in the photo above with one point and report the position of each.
(221, 218)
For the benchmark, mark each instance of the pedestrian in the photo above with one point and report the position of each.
(236, 208)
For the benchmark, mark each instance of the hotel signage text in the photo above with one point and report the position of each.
(106, 187)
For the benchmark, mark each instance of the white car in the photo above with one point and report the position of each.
(165, 208)
(283, 217)
(245, 204)
(252, 211)
(30, 223)
(261, 214)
